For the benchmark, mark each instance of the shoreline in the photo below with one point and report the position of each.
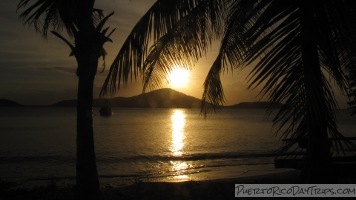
(206, 189)
(223, 188)
(200, 189)
(118, 180)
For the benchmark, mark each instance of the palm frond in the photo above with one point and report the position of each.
(104, 36)
(42, 14)
(231, 52)
(71, 46)
(278, 39)
(55, 15)
(213, 95)
(157, 26)
(163, 58)
(181, 46)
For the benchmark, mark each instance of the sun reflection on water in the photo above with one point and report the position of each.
(178, 137)
(178, 124)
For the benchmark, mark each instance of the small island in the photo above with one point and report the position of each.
(8, 103)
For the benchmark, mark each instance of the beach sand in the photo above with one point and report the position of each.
(207, 189)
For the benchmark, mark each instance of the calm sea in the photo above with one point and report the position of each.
(142, 144)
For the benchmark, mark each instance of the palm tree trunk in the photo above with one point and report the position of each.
(87, 175)
(87, 59)
(87, 54)
(318, 149)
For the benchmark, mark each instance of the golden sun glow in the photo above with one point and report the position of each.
(178, 78)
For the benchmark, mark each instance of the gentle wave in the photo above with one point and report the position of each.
(198, 156)
(139, 158)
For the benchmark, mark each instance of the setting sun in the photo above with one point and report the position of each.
(178, 78)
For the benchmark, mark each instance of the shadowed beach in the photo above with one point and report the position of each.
(208, 189)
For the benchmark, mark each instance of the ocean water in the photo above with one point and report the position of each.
(38, 144)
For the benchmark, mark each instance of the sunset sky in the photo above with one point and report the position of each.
(40, 72)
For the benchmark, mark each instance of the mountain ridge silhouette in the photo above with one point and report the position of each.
(161, 98)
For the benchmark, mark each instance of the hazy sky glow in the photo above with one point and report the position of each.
(38, 71)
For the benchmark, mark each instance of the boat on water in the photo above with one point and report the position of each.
(106, 111)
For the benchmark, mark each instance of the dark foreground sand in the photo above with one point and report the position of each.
(210, 189)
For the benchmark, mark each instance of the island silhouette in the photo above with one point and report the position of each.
(161, 98)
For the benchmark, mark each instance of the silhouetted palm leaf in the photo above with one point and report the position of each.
(42, 14)
(55, 15)
(175, 32)
(283, 71)
(183, 45)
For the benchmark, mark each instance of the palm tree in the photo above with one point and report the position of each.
(85, 24)
(296, 44)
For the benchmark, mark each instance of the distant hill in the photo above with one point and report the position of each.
(262, 105)
(5, 102)
(162, 98)
(66, 103)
